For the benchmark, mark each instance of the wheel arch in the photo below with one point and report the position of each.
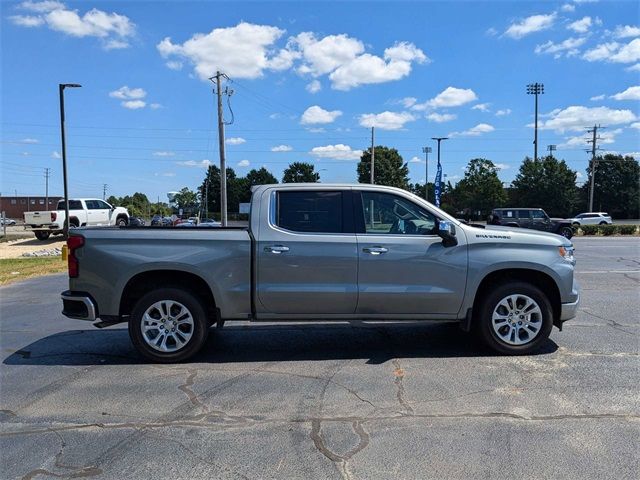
(147, 281)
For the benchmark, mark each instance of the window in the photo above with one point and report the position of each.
(32, 201)
(523, 214)
(14, 201)
(385, 213)
(103, 205)
(92, 204)
(310, 211)
(41, 201)
(538, 215)
(23, 201)
(73, 205)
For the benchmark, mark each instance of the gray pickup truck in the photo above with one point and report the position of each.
(321, 252)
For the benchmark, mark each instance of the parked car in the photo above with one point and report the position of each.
(82, 212)
(208, 222)
(323, 252)
(137, 222)
(160, 221)
(534, 218)
(7, 221)
(593, 218)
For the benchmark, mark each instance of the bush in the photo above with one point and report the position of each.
(589, 229)
(607, 230)
(627, 229)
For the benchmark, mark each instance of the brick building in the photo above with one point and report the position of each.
(14, 207)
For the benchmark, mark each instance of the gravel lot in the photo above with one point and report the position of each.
(327, 401)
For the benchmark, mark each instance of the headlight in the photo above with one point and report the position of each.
(566, 253)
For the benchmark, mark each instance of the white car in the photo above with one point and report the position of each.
(82, 212)
(592, 218)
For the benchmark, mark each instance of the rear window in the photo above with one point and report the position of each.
(73, 205)
(310, 211)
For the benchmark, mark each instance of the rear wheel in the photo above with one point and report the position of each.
(566, 232)
(40, 235)
(515, 318)
(602, 223)
(168, 325)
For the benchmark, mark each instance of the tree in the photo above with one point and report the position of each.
(300, 172)
(418, 189)
(547, 183)
(187, 200)
(480, 189)
(389, 168)
(253, 178)
(617, 187)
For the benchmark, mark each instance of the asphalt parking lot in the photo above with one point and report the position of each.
(327, 401)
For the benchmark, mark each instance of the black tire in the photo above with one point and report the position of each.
(198, 334)
(483, 319)
(73, 223)
(602, 223)
(42, 235)
(576, 224)
(566, 232)
(122, 222)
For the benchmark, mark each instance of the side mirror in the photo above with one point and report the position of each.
(447, 231)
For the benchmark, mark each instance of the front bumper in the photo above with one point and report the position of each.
(78, 305)
(569, 310)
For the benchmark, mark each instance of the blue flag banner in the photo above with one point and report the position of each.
(438, 184)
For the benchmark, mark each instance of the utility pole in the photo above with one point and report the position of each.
(594, 163)
(223, 165)
(426, 151)
(61, 88)
(104, 191)
(47, 171)
(206, 197)
(438, 171)
(535, 89)
(373, 157)
(551, 149)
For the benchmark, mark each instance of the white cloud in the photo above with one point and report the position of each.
(577, 117)
(631, 93)
(194, 163)
(126, 93)
(615, 52)
(568, 47)
(567, 7)
(502, 166)
(163, 153)
(581, 26)
(483, 107)
(282, 148)
(133, 104)
(165, 174)
(55, 154)
(386, 120)
(317, 115)
(416, 160)
(635, 125)
(243, 51)
(633, 68)
(597, 98)
(244, 163)
(336, 152)
(474, 131)
(235, 141)
(314, 86)
(449, 97)
(503, 112)
(635, 155)
(113, 29)
(408, 102)
(30, 140)
(323, 56)
(606, 137)
(155, 106)
(174, 65)
(492, 32)
(441, 117)
(529, 25)
(626, 31)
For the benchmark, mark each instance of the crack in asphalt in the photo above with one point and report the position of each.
(612, 323)
(399, 377)
(341, 460)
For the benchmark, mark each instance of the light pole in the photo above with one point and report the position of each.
(426, 151)
(61, 88)
(535, 89)
(551, 149)
(438, 171)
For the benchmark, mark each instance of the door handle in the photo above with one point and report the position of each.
(375, 250)
(277, 249)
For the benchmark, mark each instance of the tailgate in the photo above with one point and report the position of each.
(37, 218)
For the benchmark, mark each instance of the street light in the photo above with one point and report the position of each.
(61, 88)
(551, 149)
(426, 151)
(439, 170)
(535, 89)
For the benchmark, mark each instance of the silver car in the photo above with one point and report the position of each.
(593, 218)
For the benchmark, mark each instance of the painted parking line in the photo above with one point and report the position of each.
(611, 271)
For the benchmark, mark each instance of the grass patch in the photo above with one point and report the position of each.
(14, 269)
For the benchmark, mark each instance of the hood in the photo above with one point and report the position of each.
(553, 219)
(526, 235)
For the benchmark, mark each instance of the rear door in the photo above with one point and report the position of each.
(403, 267)
(307, 259)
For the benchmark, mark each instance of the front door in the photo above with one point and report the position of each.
(540, 221)
(307, 260)
(403, 267)
(96, 213)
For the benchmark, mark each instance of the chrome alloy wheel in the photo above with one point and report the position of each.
(167, 326)
(517, 319)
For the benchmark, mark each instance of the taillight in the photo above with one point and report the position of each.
(73, 243)
(54, 215)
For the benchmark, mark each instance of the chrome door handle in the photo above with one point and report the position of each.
(277, 249)
(375, 250)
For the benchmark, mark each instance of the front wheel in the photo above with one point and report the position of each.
(121, 222)
(168, 325)
(515, 318)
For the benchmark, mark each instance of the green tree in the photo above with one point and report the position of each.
(617, 187)
(187, 200)
(418, 189)
(547, 183)
(253, 178)
(480, 189)
(389, 168)
(300, 172)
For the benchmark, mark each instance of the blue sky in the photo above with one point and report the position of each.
(309, 81)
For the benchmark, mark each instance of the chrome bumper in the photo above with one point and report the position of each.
(78, 306)
(569, 310)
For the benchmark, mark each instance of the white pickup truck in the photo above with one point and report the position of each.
(83, 212)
